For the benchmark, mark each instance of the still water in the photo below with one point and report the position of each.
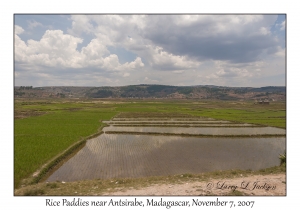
(187, 124)
(200, 130)
(120, 156)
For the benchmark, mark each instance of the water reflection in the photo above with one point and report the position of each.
(166, 122)
(191, 125)
(201, 130)
(162, 119)
(109, 156)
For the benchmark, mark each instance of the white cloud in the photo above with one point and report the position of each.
(137, 63)
(126, 74)
(18, 30)
(161, 59)
(178, 71)
(264, 31)
(32, 24)
(149, 80)
(171, 49)
(180, 37)
(234, 72)
(20, 48)
(282, 26)
(280, 52)
(95, 49)
(111, 62)
(56, 49)
(80, 24)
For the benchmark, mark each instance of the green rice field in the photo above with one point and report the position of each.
(43, 129)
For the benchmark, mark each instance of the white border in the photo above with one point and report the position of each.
(136, 6)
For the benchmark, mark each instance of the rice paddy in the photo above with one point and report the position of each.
(201, 130)
(123, 156)
(145, 138)
(138, 150)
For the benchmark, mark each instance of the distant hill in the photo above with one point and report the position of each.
(272, 93)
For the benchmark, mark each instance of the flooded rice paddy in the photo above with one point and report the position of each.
(187, 125)
(166, 122)
(200, 130)
(128, 156)
(164, 119)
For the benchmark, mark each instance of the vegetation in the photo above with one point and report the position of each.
(101, 94)
(156, 91)
(48, 128)
(98, 187)
(25, 87)
(282, 158)
(38, 139)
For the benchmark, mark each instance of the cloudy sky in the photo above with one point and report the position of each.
(116, 50)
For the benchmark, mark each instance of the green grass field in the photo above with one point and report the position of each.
(44, 128)
(37, 139)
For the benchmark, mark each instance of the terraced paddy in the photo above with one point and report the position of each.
(167, 122)
(200, 131)
(129, 148)
(184, 125)
(164, 119)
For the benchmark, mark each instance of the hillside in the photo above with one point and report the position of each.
(271, 93)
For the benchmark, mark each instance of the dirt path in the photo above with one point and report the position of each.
(274, 184)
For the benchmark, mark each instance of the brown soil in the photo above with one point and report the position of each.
(25, 114)
(153, 115)
(258, 185)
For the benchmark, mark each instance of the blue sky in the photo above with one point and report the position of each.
(117, 50)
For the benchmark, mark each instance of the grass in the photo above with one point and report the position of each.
(236, 193)
(47, 128)
(38, 139)
(56, 162)
(282, 158)
(34, 192)
(271, 115)
(100, 186)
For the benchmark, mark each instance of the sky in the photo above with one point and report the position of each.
(179, 49)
